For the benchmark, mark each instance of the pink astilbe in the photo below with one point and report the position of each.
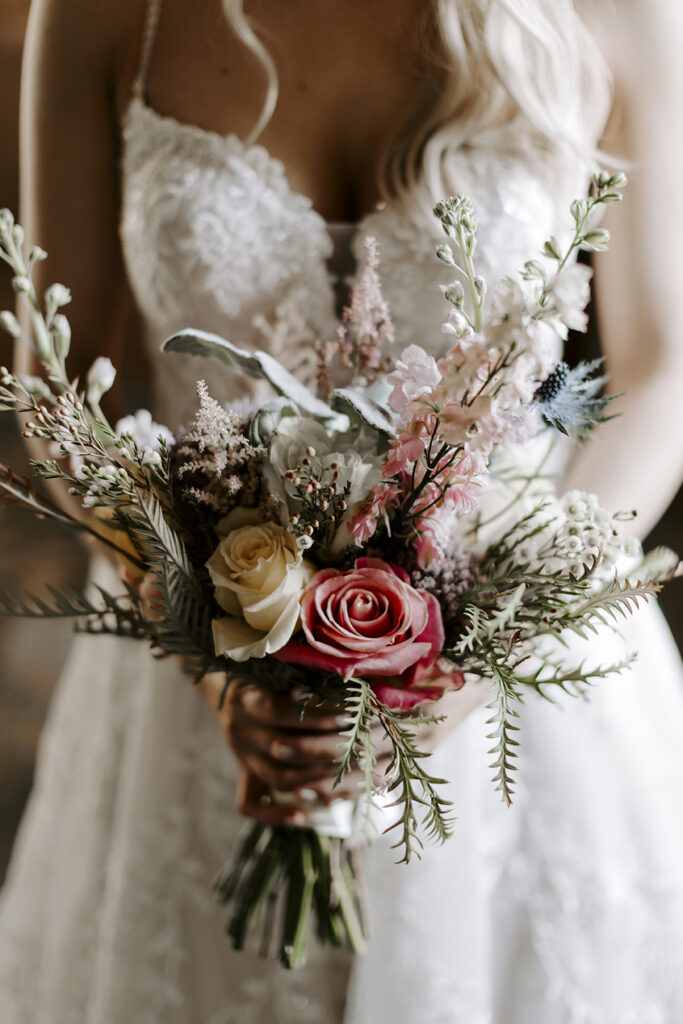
(215, 460)
(367, 327)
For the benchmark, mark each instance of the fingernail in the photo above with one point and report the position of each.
(295, 818)
(282, 751)
(309, 796)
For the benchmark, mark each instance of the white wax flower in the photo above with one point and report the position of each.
(144, 431)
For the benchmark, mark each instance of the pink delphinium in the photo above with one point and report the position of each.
(415, 377)
(367, 327)
(383, 497)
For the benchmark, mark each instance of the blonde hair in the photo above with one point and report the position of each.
(526, 74)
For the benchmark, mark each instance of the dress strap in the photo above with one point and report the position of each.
(149, 34)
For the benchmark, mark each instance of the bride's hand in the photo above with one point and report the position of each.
(281, 752)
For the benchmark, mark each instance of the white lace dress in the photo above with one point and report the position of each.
(567, 909)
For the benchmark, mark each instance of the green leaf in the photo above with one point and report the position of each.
(361, 408)
(256, 364)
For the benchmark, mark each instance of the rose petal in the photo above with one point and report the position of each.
(236, 639)
(404, 700)
(433, 635)
(301, 654)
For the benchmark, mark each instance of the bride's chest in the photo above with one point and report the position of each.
(214, 235)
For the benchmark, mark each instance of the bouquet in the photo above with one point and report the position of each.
(369, 547)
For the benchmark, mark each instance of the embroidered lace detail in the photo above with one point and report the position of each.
(214, 236)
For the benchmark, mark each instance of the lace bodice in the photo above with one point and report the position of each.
(214, 237)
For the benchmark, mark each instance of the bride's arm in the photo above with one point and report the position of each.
(69, 169)
(636, 462)
(75, 63)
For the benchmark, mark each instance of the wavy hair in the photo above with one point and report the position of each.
(526, 74)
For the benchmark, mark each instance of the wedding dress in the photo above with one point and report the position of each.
(566, 909)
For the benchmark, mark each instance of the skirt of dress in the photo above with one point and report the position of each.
(566, 909)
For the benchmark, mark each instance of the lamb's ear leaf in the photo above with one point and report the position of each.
(360, 407)
(256, 364)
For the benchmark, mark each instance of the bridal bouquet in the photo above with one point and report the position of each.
(369, 547)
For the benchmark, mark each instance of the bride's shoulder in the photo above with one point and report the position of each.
(79, 32)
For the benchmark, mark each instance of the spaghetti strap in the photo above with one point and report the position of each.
(149, 33)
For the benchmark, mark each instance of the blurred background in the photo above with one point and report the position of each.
(31, 654)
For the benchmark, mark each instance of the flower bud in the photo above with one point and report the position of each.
(552, 248)
(6, 221)
(454, 293)
(596, 240)
(579, 209)
(445, 254)
(9, 323)
(21, 284)
(618, 180)
(60, 332)
(151, 457)
(101, 377)
(57, 295)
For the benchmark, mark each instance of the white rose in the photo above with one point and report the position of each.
(259, 575)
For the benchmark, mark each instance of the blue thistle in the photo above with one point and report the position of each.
(572, 401)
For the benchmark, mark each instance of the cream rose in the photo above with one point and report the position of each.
(259, 576)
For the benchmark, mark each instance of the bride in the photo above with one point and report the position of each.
(154, 166)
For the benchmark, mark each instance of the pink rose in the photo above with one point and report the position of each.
(370, 622)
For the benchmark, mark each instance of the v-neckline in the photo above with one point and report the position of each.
(235, 144)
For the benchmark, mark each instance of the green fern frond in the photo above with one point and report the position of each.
(573, 681)
(504, 748)
(358, 706)
(505, 617)
(184, 628)
(614, 600)
(474, 632)
(413, 786)
(156, 537)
